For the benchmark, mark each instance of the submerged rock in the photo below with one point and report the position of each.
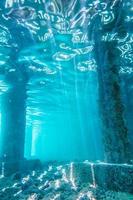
(53, 183)
(16, 176)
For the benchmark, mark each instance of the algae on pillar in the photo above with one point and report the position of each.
(115, 132)
(117, 148)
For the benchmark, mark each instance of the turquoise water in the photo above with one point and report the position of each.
(66, 90)
(52, 47)
(66, 80)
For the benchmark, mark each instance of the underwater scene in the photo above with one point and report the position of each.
(66, 99)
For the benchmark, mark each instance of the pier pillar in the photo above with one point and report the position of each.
(108, 56)
(13, 127)
(115, 132)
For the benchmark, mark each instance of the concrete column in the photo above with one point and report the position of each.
(115, 133)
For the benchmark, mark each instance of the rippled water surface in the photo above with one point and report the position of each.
(66, 90)
(51, 47)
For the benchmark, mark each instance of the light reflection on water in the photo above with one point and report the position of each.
(55, 42)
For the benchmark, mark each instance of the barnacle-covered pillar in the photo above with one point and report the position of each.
(115, 133)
